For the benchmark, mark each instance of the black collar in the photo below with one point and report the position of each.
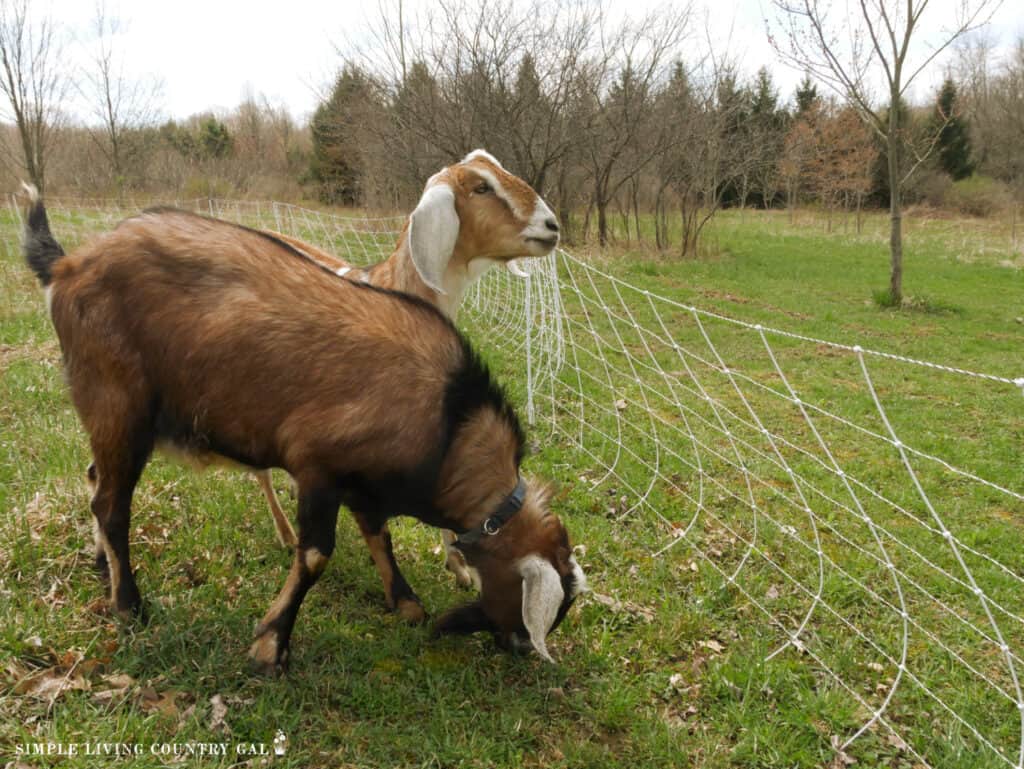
(509, 506)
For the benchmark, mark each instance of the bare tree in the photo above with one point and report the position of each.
(120, 105)
(33, 81)
(620, 104)
(797, 153)
(868, 41)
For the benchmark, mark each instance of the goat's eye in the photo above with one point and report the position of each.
(482, 188)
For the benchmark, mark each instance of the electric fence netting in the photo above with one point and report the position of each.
(856, 525)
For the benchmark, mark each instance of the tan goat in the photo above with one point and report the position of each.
(472, 215)
(227, 344)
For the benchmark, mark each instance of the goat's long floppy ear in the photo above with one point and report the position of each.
(542, 595)
(433, 230)
(465, 620)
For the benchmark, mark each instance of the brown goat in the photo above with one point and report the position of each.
(224, 343)
(472, 215)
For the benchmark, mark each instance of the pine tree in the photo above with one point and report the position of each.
(954, 144)
(806, 96)
(214, 139)
(335, 163)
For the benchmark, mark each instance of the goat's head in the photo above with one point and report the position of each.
(473, 214)
(528, 580)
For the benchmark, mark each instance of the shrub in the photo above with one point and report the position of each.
(978, 196)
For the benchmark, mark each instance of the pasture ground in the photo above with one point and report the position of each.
(674, 675)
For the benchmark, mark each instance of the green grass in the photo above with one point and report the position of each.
(677, 674)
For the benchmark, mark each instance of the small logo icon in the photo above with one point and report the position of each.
(280, 743)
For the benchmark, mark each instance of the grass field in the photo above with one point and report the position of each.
(667, 665)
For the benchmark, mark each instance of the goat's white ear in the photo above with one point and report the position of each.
(542, 595)
(433, 230)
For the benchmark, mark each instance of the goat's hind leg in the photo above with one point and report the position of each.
(100, 558)
(318, 516)
(285, 532)
(118, 466)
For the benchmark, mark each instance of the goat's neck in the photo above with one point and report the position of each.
(399, 272)
(479, 471)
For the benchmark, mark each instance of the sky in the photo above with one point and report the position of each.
(211, 53)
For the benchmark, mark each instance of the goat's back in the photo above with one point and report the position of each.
(229, 341)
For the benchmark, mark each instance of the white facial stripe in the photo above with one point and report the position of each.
(538, 226)
(500, 192)
(485, 155)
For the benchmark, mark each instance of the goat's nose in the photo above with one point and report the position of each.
(551, 224)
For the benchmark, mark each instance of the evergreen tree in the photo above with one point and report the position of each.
(954, 144)
(764, 102)
(335, 162)
(806, 96)
(214, 139)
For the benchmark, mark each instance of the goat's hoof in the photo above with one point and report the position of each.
(456, 564)
(411, 611)
(127, 603)
(134, 614)
(267, 669)
(265, 656)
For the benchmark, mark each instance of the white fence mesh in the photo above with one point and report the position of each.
(846, 496)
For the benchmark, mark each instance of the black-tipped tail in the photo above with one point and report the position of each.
(38, 244)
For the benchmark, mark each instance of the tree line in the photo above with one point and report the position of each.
(640, 123)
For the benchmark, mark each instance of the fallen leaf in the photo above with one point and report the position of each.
(218, 712)
(620, 405)
(895, 741)
(841, 758)
(772, 594)
(713, 645)
(152, 701)
(50, 683)
(118, 680)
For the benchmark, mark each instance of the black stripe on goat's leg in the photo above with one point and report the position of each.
(397, 592)
(318, 515)
(116, 472)
(100, 559)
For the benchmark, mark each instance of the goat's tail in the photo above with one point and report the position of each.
(38, 244)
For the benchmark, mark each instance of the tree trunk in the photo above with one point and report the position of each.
(895, 207)
(602, 222)
(636, 208)
(586, 220)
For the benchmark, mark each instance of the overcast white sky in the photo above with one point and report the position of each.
(210, 52)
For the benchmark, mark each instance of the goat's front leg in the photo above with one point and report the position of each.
(399, 596)
(318, 515)
(285, 532)
(455, 561)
